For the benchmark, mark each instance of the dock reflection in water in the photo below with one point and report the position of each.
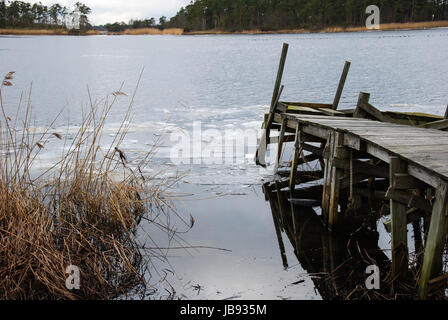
(337, 263)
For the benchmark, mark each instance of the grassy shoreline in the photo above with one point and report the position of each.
(383, 27)
(42, 32)
(178, 31)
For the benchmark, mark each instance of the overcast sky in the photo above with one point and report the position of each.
(123, 10)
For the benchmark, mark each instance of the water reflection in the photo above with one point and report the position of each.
(336, 263)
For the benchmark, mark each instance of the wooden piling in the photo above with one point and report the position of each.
(327, 178)
(278, 88)
(295, 160)
(399, 242)
(363, 99)
(446, 112)
(341, 85)
(281, 68)
(280, 144)
(339, 152)
(435, 242)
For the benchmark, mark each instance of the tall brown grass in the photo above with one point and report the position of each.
(153, 31)
(75, 213)
(37, 32)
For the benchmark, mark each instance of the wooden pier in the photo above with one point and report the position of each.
(365, 155)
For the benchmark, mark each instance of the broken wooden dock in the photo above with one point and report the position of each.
(364, 154)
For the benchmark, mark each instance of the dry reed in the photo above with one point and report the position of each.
(75, 213)
(153, 31)
(42, 32)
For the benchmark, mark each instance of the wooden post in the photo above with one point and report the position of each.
(264, 142)
(399, 244)
(362, 99)
(338, 95)
(327, 177)
(339, 152)
(280, 144)
(432, 262)
(281, 67)
(295, 159)
(446, 112)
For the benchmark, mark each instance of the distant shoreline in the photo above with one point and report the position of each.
(178, 31)
(383, 27)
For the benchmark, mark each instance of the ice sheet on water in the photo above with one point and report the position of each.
(409, 107)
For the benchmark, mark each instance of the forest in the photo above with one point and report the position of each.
(236, 15)
(21, 14)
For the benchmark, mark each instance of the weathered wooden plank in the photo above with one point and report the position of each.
(308, 104)
(363, 98)
(352, 141)
(378, 152)
(435, 241)
(327, 177)
(348, 112)
(413, 201)
(375, 113)
(362, 167)
(313, 149)
(331, 112)
(421, 149)
(316, 131)
(411, 141)
(423, 175)
(415, 117)
(404, 181)
(341, 85)
(399, 241)
(286, 138)
(394, 131)
(303, 110)
(280, 144)
(336, 174)
(264, 142)
(320, 117)
(295, 159)
(281, 68)
(272, 116)
(438, 125)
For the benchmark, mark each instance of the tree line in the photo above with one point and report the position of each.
(234, 15)
(21, 14)
(136, 24)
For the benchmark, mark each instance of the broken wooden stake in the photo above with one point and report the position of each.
(399, 226)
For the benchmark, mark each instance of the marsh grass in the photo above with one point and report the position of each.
(42, 32)
(153, 31)
(84, 211)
